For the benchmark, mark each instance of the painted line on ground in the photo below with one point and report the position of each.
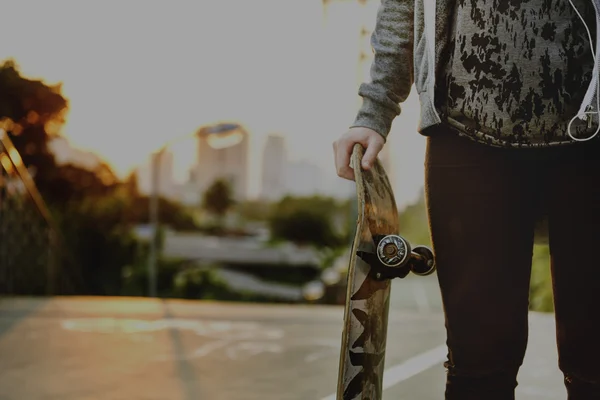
(409, 368)
(414, 366)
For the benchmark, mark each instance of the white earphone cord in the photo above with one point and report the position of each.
(587, 113)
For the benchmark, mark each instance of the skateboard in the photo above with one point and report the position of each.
(378, 255)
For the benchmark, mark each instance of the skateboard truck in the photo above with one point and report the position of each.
(394, 258)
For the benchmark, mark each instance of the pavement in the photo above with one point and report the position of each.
(145, 349)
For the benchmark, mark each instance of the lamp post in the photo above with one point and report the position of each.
(154, 220)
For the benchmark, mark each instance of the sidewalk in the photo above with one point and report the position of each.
(119, 348)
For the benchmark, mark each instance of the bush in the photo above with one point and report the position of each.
(99, 245)
(309, 220)
(540, 293)
(135, 277)
(414, 225)
(253, 210)
(199, 282)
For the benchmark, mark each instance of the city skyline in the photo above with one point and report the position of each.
(282, 177)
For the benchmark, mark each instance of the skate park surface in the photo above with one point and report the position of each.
(88, 348)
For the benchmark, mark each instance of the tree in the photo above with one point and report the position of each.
(253, 210)
(36, 111)
(132, 184)
(307, 220)
(93, 209)
(72, 183)
(218, 198)
(304, 227)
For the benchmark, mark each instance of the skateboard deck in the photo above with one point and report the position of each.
(378, 254)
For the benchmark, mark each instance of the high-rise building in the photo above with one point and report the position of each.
(166, 183)
(223, 154)
(304, 179)
(274, 167)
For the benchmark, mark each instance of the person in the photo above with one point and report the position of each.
(508, 93)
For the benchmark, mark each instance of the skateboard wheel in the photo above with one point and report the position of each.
(393, 251)
(427, 266)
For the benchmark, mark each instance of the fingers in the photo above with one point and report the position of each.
(342, 148)
(373, 148)
(342, 151)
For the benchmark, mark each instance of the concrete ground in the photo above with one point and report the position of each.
(140, 349)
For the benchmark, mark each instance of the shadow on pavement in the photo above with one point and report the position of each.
(185, 370)
(14, 310)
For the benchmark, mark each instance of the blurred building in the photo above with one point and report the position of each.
(222, 154)
(281, 176)
(274, 168)
(187, 192)
(304, 179)
(166, 183)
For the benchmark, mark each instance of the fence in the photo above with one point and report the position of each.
(33, 257)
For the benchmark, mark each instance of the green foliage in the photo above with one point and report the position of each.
(540, 293)
(199, 282)
(135, 276)
(414, 225)
(309, 220)
(218, 198)
(253, 211)
(182, 279)
(94, 210)
(304, 226)
(169, 213)
(97, 241)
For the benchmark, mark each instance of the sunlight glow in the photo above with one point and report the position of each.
(6, 164)
(15, 157)
(221, 141)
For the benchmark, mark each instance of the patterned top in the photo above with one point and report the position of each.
(516, 72)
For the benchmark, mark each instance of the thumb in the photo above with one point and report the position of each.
(371, 153)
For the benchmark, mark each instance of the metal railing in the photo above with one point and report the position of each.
(33, 257)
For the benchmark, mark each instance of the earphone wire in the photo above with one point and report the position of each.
(588, 113)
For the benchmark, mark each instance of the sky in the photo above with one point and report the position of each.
(139, 73)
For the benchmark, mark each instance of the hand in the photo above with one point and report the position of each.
(342, 150)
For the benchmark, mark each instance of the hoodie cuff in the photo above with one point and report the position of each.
(374, 116)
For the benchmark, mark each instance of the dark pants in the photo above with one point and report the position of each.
(483, 203)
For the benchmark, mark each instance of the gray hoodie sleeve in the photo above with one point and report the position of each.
(391, 72)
